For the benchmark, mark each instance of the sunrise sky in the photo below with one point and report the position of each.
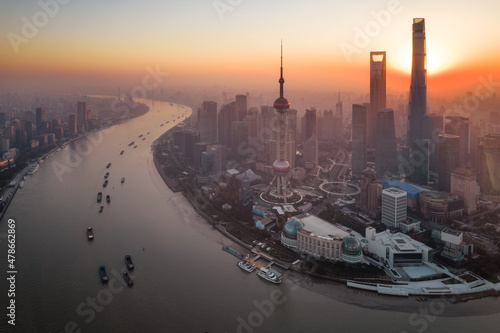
(235, 43)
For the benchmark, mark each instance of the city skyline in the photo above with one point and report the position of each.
(112, 44)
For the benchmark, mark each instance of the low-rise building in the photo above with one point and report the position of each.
(397, 248)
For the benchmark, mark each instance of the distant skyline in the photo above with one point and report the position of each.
(234, 43)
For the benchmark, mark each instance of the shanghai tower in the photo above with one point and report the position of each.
(417, 132)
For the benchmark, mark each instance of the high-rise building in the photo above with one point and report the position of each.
(328, 131)
(241, 106)
(219, 156)
(338, 109)
(393, 206)
(246, 200)
(385, 143)
(435, 128)
(418, 130)
(239, 140)
(460, 126)
(488, 170)
(81, 114)
(310, 151)
(207, 121)
(358, 159)
(448, 159)
(72, 123)
(377, 93)
(463, 184)
(370, 192)
(226, 116)
(40, 119)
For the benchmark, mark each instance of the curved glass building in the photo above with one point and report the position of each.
(351, 250)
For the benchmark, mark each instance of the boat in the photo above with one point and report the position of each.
(99, 197)
(127, 279)
(33, 169)
(161, 125)
(129, 263)
(101, 209)
(246, 266)
(123, 180)
(233, 252)
(135, 146)
(108, 199)
(106, 175)
(105, 183)
(21, 184)
(107, 166)
(103, 274)
(268, 275)
(141, 135)
(148, 132)
(167, 122)
(121, 153)
(143, 139)
(130, 144)
(90, 233)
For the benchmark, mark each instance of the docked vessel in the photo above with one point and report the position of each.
(103, 274)
(33, 169)
(269, 275)
(127, 279)
(99, 197)
(246, 266)
(129, 263)
(21, 184)
(90, 233)
(233, 252)
(123, 180)
(108, 198)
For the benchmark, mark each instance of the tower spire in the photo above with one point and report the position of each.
(281, 80)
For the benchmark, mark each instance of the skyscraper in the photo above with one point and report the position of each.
(358, 159)
(72, 123)
(460, 126)
(463, 184)
(488, 174)
(239, 140)
(377, 92)
(310, 152)
(241, 106)
(370, 192)
(81, 114)
(385, 143)
(226, 116)
(40, 119)
(448, 159)
(207, 121)
(417, 136)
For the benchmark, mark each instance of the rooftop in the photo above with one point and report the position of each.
(320, 227)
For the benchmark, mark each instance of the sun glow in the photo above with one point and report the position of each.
(438, 59)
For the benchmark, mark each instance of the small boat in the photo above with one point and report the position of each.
(167, 122)
(101, 209)
(148, 132)
(135, 146)
(123, 180)
(106, 175)
(246, 266)
(269, 275)
(103, 274)
(143, 139)
(105, 183)
(121, 153)
(21, 184)
(108, 199)
(127, 279)
(161, 125)
(99, 197)
(130, 144)
(141, 135)
(107, 166)
(129, 263)
(90, 233)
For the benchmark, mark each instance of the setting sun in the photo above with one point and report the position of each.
(438, 59)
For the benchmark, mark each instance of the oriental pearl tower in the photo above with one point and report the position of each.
(280, 190)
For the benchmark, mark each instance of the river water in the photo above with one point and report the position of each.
(184, 282)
